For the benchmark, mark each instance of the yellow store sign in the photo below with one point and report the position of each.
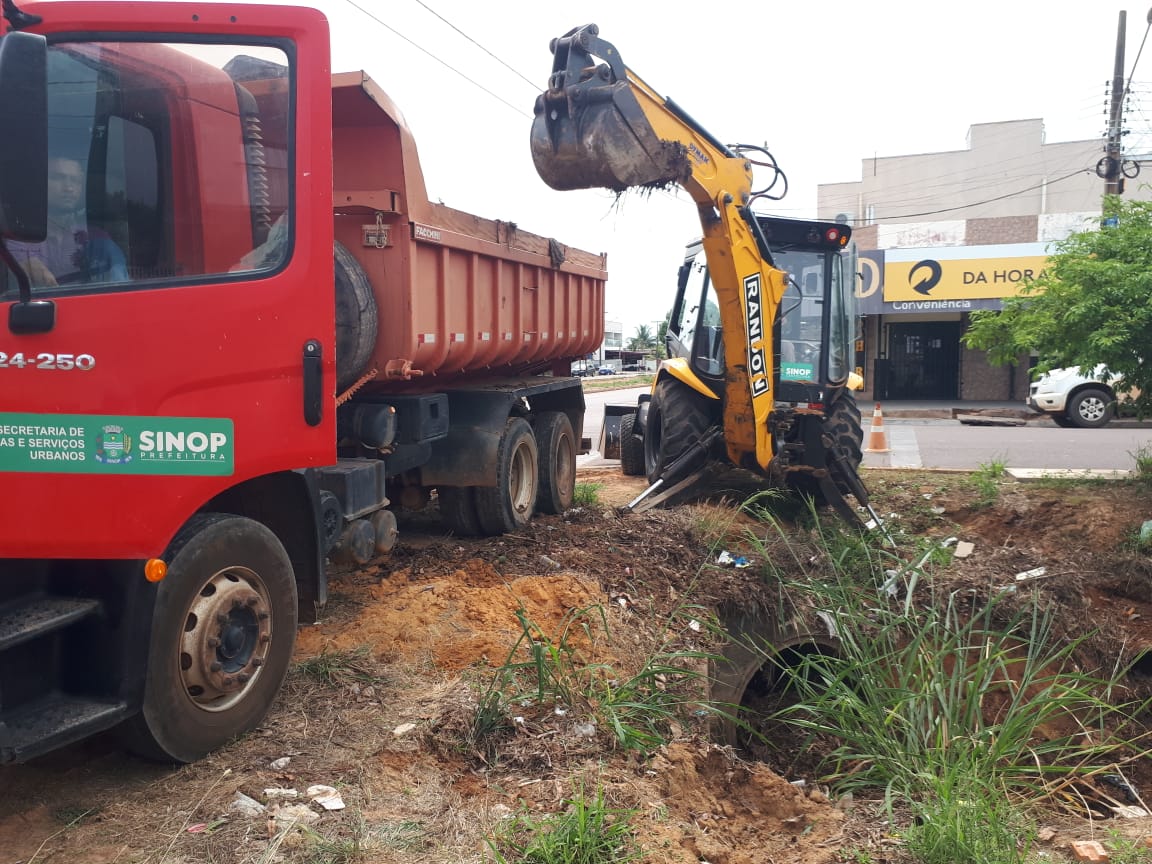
(961, 279)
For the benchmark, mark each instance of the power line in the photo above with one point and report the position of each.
(979, 203)
(517, 72)
(444, 63)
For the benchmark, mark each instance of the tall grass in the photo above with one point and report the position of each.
(961, 707)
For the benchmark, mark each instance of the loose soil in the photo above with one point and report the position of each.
(382, 701)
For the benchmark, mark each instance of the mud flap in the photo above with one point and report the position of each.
(609, 445)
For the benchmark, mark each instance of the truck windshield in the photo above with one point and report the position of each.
(167, 162)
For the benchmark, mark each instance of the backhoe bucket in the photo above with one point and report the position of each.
(590, 131)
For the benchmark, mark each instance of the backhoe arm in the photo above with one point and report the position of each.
(600, 125)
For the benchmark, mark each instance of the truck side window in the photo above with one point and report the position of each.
(168, 163)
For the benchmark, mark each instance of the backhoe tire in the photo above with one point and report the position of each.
(1090, 409)
(458, 510)
(844, 427)
(357, 318)
(508, 506)
(631, 447)
(556, 446)
(678, 417)
(223, 629)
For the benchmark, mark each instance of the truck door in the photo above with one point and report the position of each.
(189, 258)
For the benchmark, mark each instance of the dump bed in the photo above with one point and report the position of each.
(458, 295)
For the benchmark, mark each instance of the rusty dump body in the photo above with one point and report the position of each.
(459, 296)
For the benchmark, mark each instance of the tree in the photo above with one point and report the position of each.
(1091, 305)
(643, 340)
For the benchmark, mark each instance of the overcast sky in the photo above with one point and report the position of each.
(824, 85)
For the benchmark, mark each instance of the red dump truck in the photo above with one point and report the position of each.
(238, 336)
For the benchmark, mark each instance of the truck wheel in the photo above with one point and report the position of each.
(556, 445)
(458, 510)
(631, 447)
(223, 629)
(1062, 421)
(1090, 409)
(508, 505)
(678, 417)
(356, 318)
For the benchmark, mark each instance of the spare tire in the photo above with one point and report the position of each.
(357, 319)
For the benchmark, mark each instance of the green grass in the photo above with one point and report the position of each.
(634, 709)
(963, 708)
(587, 831)
(586, 495)
(1124, 850)
(1142, 456)
(986, 481)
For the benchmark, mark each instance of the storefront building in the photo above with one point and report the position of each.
(945, 234)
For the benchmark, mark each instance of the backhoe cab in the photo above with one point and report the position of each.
(760, 337)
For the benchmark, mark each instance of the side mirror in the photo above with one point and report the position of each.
(24, 144)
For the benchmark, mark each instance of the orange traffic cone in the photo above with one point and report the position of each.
(877, 437)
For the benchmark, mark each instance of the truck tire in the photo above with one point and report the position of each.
(508, 505)
(556, 446)
(1090, 409)
(357, 319)
(458, 510)
(223, 629)
(678, 417)
(631, 447)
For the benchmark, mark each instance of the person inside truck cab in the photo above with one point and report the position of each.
(73, 253)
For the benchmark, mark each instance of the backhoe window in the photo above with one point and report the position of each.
(841, 317)
(698, 326)
(167, 162)
(801, 315)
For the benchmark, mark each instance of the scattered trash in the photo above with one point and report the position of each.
(326, 796)
(294, 814)
(1119, 782)
(280, 764)
(944, 544)
(246, 806)
(584, 730)
(623, 601)
(937, 511)
(403, 729)
(560, 712)
(799, 784)
(1044, 835)
(1127, 811)
(1146, 535)
(198, 828)
(891, 583)
(1034, 573)
(519, 721)
(727, 559)
(549, 562)
(694, 626)
(963, 549)
(829, 622)
(281, 793)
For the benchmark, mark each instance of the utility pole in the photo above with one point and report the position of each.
(1113, 185)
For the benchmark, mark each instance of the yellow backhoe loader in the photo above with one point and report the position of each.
(761, 332)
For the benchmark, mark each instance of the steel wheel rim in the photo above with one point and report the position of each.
(522, 471)
(1092, 409)
(226, 638)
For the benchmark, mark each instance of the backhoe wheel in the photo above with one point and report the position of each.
(631, 447)
(843, 426)
(508, 505)
(223, 628)
(458, 510)
(556, 443)
(1090, 409)
(678, 417)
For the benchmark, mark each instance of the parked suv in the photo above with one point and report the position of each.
(1073, 399)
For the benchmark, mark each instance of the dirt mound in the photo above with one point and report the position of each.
(387, 684)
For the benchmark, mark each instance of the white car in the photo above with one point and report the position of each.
(1073, 399)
